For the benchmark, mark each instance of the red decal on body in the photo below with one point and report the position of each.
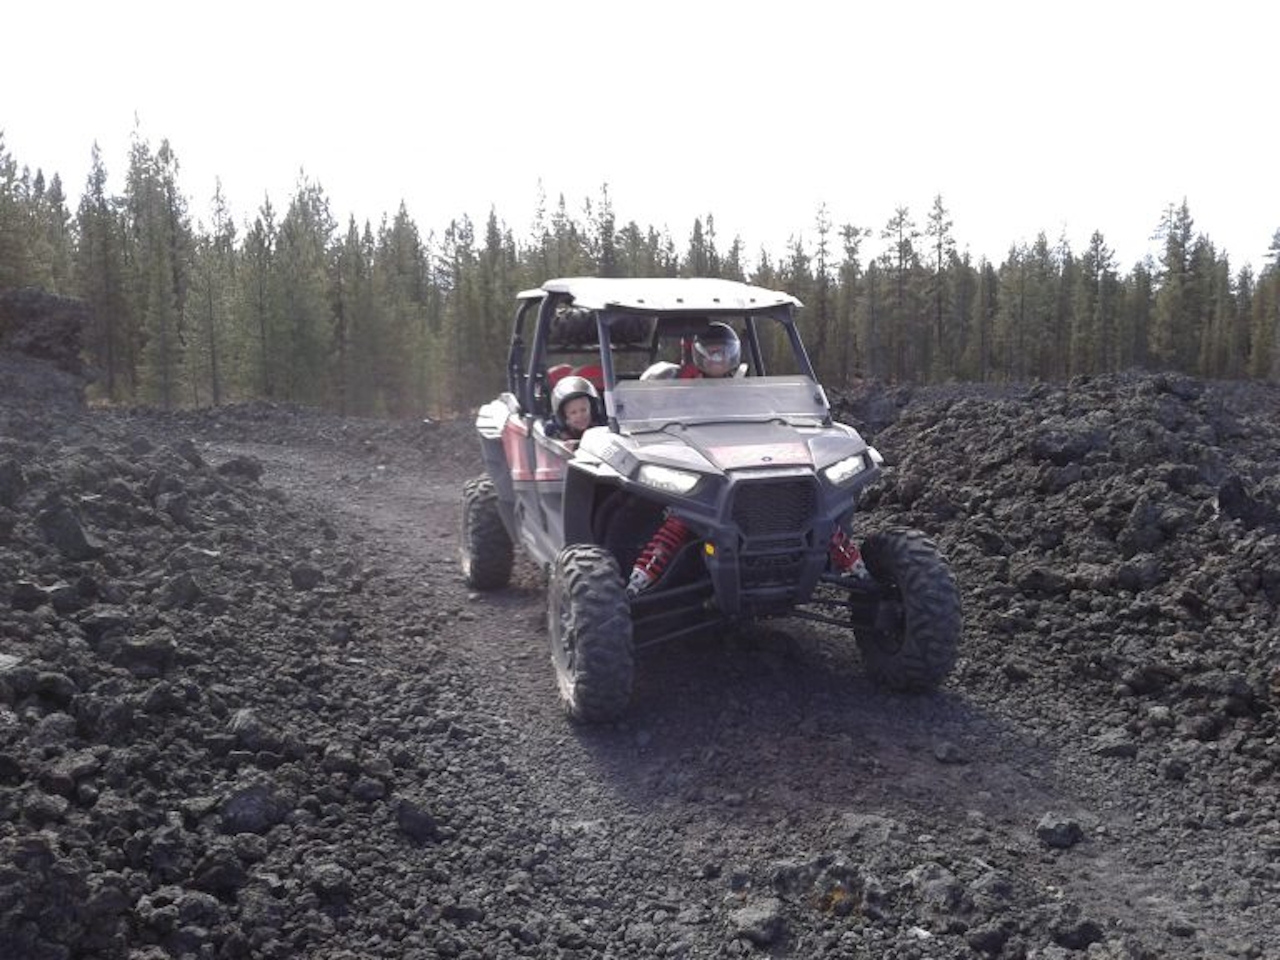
(547, 466)
(515, 444)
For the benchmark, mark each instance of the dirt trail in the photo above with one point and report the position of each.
(755, 755)
(249, 709)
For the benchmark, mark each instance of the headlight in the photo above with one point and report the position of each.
(665, 478)
(842, 471)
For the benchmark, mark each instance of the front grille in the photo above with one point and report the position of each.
(773, 508)
(770, 570)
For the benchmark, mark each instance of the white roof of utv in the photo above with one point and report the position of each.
(701, 294)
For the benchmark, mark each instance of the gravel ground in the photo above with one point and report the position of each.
(249, 709)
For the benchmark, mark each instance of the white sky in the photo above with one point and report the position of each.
(1025, 116)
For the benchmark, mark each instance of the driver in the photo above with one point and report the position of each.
(715, 352)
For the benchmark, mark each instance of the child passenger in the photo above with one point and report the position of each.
(574, 400)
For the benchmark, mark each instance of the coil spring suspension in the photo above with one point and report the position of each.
(845, 555)
(659, 551)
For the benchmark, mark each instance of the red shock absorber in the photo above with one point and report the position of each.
(844, 553)
(653, 559)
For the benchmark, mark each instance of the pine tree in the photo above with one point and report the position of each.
(431, 329)
(714, 265)
(1173, 308)
(1057, 363)
(604, 240)
(942, 247)
(767, 275)
(976, 362)
(796, 275)
(13, 267)
(1094, 310)
(764, 274)
(905, 334)
(161, 245)
(1264, 339)
(962, 300)
(821, 303)
(356, 328)
(538, 266)
(731, 268)
(262, 321)
(498, 285)
(567, 256)
(632, 251)
(1216, 346)
(214, 288)
(666, 259)
(695, 262)
(872, 324)
(100, 280)
(849, 290)
(462, 338)
(1201, 350)
(1241, 325)
(1041, 308)
(1008, 348)
(46, 233)
(303, 256)
(400, 280)
(1136, 320)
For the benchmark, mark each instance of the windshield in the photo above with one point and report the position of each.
(640, 340)
(643, 405)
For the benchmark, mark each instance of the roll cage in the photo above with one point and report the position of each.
(610, 330)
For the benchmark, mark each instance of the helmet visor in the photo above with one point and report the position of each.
(717, 358)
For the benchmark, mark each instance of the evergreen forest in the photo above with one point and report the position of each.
(384, 319)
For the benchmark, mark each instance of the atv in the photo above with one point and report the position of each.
(691, 502)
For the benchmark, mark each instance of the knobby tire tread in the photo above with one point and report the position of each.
(923, 655)
(488, 553)
(597, 687)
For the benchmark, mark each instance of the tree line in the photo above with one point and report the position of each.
(387, 320)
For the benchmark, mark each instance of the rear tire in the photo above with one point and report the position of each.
(487, 552)
(589, 624)
(917, 649)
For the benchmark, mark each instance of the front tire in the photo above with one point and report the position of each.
(916, 648)
(589, 624)
(487, 552)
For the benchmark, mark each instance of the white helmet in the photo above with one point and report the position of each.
(717, 350)
(567, 388)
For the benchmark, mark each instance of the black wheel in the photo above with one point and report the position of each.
(589, 623)
(486, 549)
(916, 639)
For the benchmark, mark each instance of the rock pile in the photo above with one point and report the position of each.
(235, 723)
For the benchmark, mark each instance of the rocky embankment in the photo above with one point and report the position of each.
(247, 708)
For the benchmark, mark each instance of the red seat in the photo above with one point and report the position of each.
(558, 372)
(592, 372)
